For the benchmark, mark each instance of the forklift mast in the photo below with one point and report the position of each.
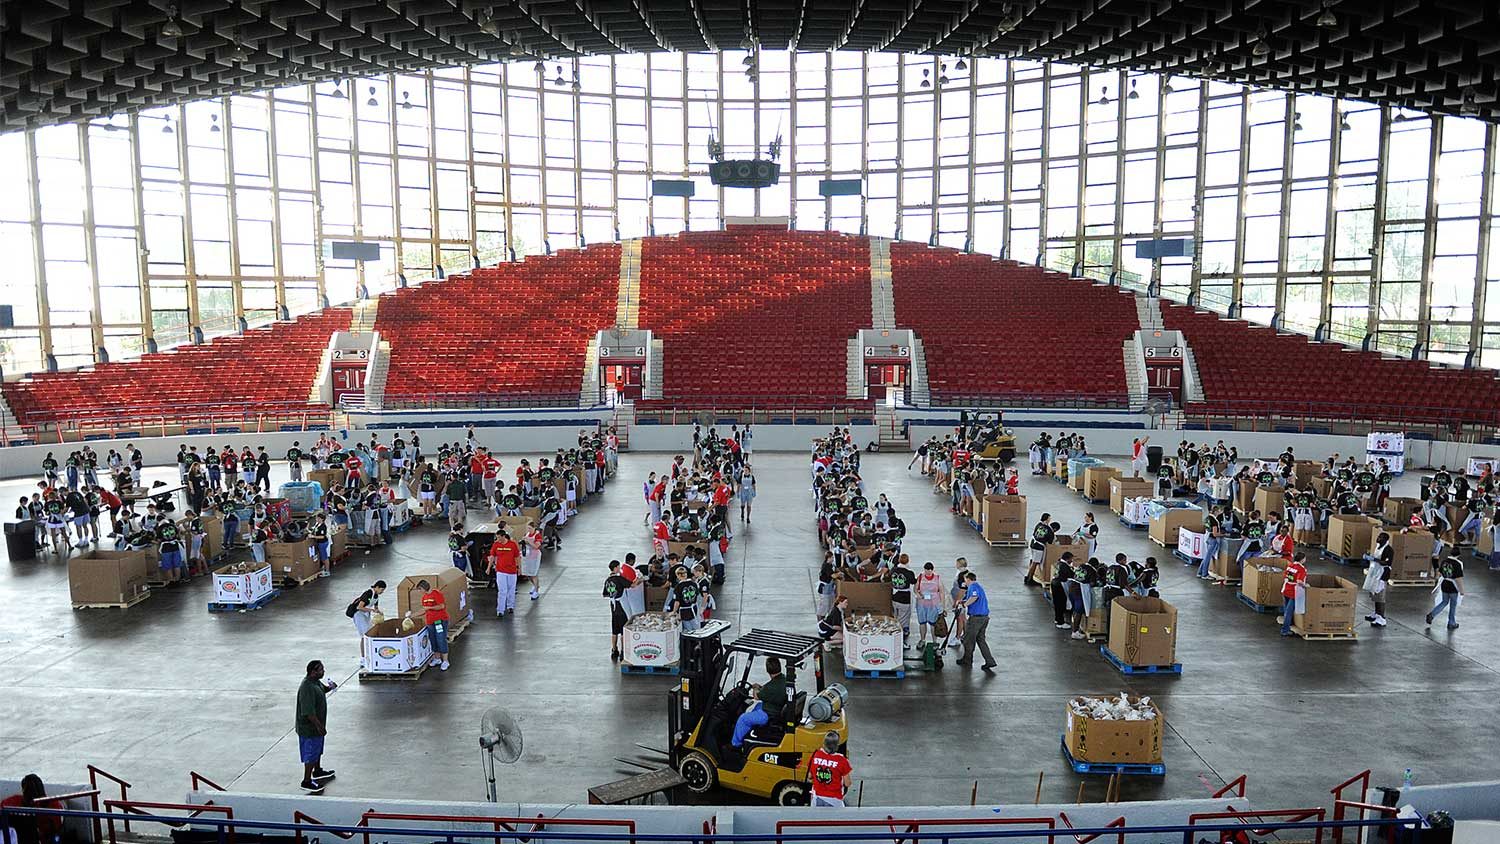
(700, 664)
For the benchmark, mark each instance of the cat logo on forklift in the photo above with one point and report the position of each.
(785, 760)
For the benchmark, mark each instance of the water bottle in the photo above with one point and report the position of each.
(1406, 781)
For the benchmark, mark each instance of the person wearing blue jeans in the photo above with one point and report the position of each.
(1450, 572)
(1213, 537)
(1254, 533)
(1296, 578)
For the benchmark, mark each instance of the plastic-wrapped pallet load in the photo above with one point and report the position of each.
(1076, 467)
(651, 639)
(1121, 730)
(242, 583)
(303, 496)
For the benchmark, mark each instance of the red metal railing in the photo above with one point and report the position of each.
(912, 826)
(196, 779)
(498, 824)
(1363, 778)
(1341, 806)
(1236, 786)
(1085, 839)
(1248, 816)
(127, 807)
(95, 774)
(299, 818)
(249, 420)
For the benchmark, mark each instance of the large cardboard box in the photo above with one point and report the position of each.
(1312, 537)
(1456, 517)
(213, 542)
(293, 560)
(1262, 579)
(1270, 500)
(1351, 536)
(648, 647)
(1411, 555)
(864, 651)
(1004, 517)
(1190, 543)
(680, 548)
(1328, 605)
(109, 577)
(454, 585)
(1121, 489)
(1096, 482)
(1143, 631)
(1245, 500)
(1053, 552)
(1486, 542)
(1303, 471)
(243, 583)
(1322, 486)
(329, 478)
(388, 649)
(1164, 527)
(1226, 564)
(338, 542)
(1121, 742)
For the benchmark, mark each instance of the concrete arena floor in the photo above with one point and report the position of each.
(164, 688)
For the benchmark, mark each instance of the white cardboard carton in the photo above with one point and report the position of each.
(243, 588)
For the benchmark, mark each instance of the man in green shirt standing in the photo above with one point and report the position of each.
(312, 726)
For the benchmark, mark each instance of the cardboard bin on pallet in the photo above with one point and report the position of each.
(1114, 742)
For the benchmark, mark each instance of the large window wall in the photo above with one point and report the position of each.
(128, 233)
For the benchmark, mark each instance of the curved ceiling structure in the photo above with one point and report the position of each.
(64, 60)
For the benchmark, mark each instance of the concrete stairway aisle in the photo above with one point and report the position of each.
(379, 369)
(921, 392)
(882, 296)
(628, 300)
(365, 311)
(1135, 370)
(624, 415)
(1192, 385)
(889, 434)
(315, 390)
(588, 393)
(854, 374)
(655, 376)
(1148, 310)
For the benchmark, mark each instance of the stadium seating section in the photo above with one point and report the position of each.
(760, 318)
(518, 332)
(267, 368)
(1250, 369)
(995, 329)
(755, 315)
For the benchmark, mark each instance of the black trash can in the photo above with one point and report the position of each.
(1153, 459)
(20, 540)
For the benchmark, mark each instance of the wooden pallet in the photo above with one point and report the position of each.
(1326, 637)
(1120, 664)
(1428, 583)
(215, 606)
(1157, 542)
(626, 668)
(1132, 525)
(456, 630)
(107, 606)
(1260, 608)
(1006, 543)
(1218, 580)
(395, 675)
(481, 584)
(162, 584)
(882, 674)
(1150, 769)
(1177, 552)
(1345, 561)
(287, 581)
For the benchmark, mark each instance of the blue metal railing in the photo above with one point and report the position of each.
(228, 827)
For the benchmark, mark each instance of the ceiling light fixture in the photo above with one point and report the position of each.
(171, 29)
(961, 65)
(1328, 19)
(166, 128)
(213, 126)
(1167, 88)
(406, 99)
(372, 101)
(1262, 44)
(747, 60)
(1343, 121)
(338, 90)
(926, 81)
(488, 25)
(1132, 95)
(539, 67)
(1297, 121)
(1470, 104)
(1103, 97)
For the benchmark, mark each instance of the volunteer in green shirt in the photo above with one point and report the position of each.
(456, 491)
(312, 726)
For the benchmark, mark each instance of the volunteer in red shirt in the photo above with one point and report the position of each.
(491, 471)
(435, 614)
(1138, 456)
(1282, 542)
(960, 457)
(828, 769)
(476, 473)
(352, 469)
(656, 498)
(1296, 578)
(722, 493)
(659, 535)
(505, 559)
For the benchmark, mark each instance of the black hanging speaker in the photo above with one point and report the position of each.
(753, 173)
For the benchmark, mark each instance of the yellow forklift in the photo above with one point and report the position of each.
(1003, 448)
(713, 689)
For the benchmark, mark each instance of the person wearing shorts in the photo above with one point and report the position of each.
(312, 726)
(435, 614)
